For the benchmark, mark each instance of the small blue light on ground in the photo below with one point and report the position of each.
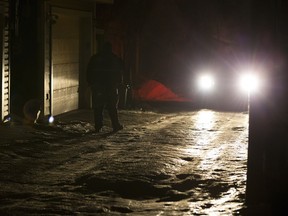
(51, 119)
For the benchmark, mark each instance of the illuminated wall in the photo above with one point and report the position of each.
(5, 67)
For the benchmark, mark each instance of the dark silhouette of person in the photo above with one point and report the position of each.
(104, 75)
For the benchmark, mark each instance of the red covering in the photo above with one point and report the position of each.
(155, 91)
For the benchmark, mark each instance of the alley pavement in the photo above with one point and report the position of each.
(21, 129)
(181, 163)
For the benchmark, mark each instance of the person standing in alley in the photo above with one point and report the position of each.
(104, 75)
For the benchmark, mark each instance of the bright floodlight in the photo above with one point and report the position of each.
(206, 82)
(249, 83)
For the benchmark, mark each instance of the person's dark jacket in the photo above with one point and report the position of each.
(104, 72)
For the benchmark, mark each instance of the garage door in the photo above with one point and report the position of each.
(66, 36)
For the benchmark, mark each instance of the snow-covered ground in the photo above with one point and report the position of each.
(161, 163)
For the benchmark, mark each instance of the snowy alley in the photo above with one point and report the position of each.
(161, 163)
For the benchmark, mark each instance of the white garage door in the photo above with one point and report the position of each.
(66, 59)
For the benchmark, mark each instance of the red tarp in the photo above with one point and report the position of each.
(153, 90)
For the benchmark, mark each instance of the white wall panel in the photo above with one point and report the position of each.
(4, 55)
(65, 60)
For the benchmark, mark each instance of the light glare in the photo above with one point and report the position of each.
(206, 82)
(249, 83)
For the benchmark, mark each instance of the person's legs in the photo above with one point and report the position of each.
(113, 112)
(98, 117)
(98, 100)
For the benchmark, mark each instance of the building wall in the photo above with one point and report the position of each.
(24, 54)
(68, 46)
(51, 43)
(49, 55)
(5, 66)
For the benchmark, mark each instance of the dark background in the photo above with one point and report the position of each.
(178, 38)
